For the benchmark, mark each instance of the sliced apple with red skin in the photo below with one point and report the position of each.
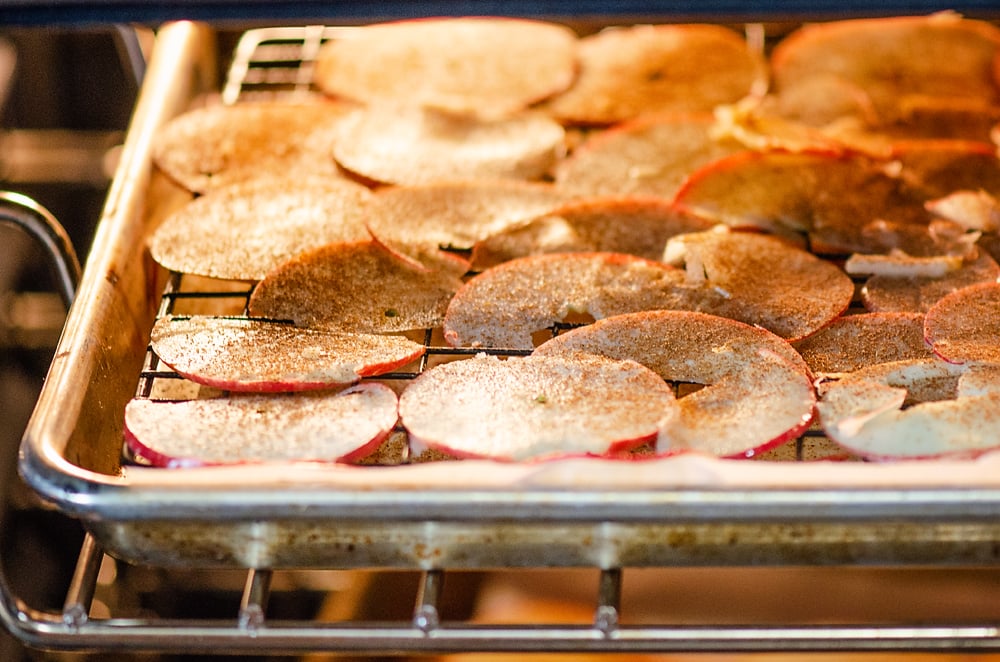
(758, 391)
(651, 155)
(637, 225)
(359, 287)
(732, 274)
(883, 293)
(536, 407)
(853, 342)
(829, 195)
(916, 409)
(251, 355)
(320, 426)
(964, 326)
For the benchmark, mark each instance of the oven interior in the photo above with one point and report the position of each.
(45, 552)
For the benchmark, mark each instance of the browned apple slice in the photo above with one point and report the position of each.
(503, 306)
(455, 215)
(853, 342)
(914, 410)
(320, 426)
(964, 326)
(411, 146)
(936, 168)
(241, 232)
(649, 156)
(758, 393)
(629, 71)
(942, 55)
(829, 195)
(884, 293)
(637, 225)
(733, 274)
(479, 65)
(533, 408)
(359, 287)
(238, 354)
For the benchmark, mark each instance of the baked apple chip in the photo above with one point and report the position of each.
(757, 390)
(535, 407)
(319, 426)
(240, 354)
(356, 286)
(964, 326)
(915, 409)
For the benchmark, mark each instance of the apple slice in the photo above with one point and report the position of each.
(829, 195)
(913, 410)
(320, 426)
(630, 71)
(732, 274)
(892, 59)
(502, 307)
(964, 326)
(239, 354)
(411, 146)
(651, 155)
(218, 145)
(241, 232)
(853, 342)
(534, 408)
(882, 293)
(357, 286)
(475, 65)
(455, 215)
(637, 225)
(758, 392)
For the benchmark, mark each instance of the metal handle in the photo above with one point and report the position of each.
(40, 224)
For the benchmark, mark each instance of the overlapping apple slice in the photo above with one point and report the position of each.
(964, 326)
(887, 293)
(637, 225)
(759, 279)
(853, 342)
(412, 146)
(829, 195)
(914, 409)
(651, 155)
(457, 214)
(240, 354)
(355, 286)
(535, 407)
(502, 307)
(757, 390)
(319, 426)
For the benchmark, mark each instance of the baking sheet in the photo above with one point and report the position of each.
(680, 510)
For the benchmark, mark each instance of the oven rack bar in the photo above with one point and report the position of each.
(251, 631)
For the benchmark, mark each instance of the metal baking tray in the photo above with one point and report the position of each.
(685, 510)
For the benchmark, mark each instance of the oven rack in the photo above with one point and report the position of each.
(250, 629)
